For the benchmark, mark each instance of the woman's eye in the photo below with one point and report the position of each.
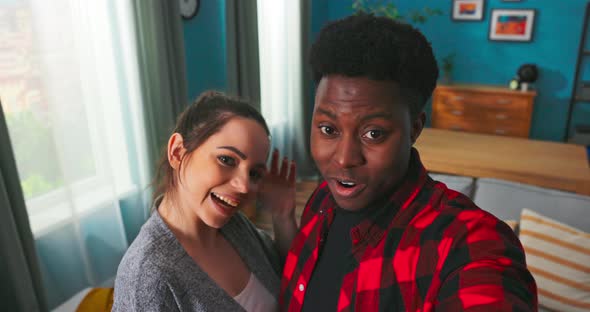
(227, 160)
(327, 130)
(373, 134)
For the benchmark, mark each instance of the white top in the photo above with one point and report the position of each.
(255, 298)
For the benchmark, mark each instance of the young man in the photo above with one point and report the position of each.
(379, 234)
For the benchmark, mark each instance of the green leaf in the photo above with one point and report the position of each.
(390, 10)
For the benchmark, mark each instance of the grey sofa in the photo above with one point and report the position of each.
(506, 199)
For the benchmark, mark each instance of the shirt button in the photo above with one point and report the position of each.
(301, 287)
(321, 211)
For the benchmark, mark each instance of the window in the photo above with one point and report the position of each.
(281, 81)
(69, 90)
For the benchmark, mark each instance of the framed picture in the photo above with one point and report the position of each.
(512, 25)
(467, 10)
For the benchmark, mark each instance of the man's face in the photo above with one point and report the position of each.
(361, 138)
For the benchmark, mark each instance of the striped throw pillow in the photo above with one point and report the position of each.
(558, 256)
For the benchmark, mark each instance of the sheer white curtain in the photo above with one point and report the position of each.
(281, 80)
(70, 91)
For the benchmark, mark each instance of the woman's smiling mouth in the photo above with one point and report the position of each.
(225, 205)
(226, 200)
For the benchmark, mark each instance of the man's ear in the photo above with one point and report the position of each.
(417, 126)
(175, 150)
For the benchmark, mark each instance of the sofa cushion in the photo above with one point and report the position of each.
(507, 199)
(513, 224)
(558, 256)
(460, 184)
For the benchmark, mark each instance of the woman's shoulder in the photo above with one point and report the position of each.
(146, 272)
(153, 250)
(143, 284)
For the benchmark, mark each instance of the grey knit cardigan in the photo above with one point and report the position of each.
(156, 273)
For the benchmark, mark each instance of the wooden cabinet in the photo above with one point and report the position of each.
(483, 109)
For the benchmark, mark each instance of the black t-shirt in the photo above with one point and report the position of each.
(333, 263)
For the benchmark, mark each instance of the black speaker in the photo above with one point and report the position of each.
(528, 73)
(525, 75)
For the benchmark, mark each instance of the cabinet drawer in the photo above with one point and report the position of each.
(457, 123)
(475, 104)
(482, 109)
(503, 117)
(481, 125)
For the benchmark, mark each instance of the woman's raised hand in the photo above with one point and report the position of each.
(278, 188)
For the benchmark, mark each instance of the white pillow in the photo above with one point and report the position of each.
(558, 256)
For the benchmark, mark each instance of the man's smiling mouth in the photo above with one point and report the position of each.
(346, 187)
(346, 183)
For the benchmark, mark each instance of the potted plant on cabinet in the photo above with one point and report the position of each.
(447, 66)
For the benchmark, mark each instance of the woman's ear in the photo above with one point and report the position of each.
(175, 150)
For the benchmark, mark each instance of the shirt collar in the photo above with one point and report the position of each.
(371, 230)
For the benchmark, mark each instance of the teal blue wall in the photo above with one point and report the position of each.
(554, 49)
(204, 44)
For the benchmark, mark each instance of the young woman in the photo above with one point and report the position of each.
(197, 252)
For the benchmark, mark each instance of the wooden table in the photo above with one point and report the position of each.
(547, 164)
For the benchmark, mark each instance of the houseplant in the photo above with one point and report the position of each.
(447, 65)
(390, 10)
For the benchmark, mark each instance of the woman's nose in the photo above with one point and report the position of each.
(241, 183)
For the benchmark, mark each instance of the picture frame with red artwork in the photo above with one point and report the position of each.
(512, 25)
(467, 10)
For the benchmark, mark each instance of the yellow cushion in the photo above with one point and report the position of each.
(97, 300)
(558, 256)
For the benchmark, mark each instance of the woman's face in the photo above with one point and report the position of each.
(223, 174)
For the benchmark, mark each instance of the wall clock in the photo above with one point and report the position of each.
(189, 8)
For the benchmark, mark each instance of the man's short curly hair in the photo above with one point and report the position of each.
(379, 48)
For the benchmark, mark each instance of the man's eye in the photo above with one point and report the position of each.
(227, 160)
(373, 134)
(327, 130)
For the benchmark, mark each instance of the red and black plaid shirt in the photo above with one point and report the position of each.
(429, 248)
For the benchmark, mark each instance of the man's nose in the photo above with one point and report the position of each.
(349, 152)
